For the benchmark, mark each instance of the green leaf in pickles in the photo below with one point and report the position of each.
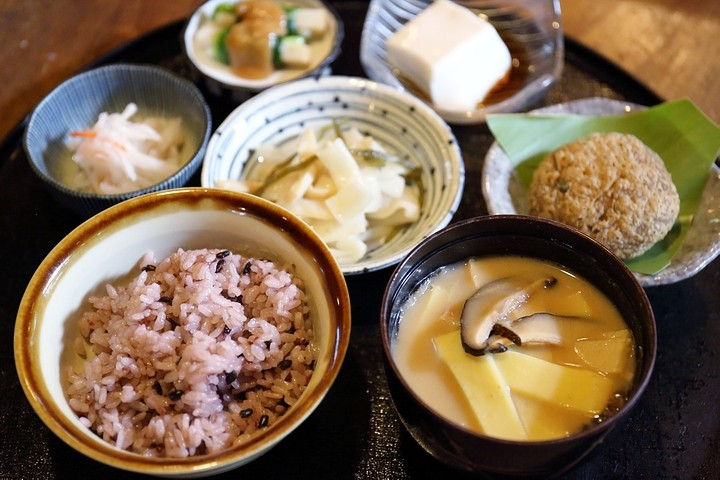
(686, 140)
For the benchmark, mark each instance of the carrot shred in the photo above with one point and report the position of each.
(91, 134)
(85, 133)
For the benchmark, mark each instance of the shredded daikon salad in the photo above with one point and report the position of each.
(117, 155)
(345, 185)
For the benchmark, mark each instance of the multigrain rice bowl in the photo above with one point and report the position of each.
(173, 357)
(197, 353)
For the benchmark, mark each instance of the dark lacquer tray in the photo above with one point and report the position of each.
(355, 433)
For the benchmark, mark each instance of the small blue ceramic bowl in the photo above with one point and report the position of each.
(75, 106)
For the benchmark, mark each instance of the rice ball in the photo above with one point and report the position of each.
(610, 186)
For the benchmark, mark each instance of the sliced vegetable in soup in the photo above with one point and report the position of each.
(515, 348)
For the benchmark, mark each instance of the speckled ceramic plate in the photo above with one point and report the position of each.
(401, 123)
(504, 193)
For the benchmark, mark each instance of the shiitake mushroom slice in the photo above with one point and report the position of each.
(540, 327)
(492, 304)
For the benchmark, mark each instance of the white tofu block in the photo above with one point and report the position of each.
(310, 22)
(450, 53)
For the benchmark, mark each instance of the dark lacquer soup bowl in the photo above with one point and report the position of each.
(532, 451)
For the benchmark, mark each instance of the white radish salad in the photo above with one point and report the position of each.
(353, 192)
(117, 155)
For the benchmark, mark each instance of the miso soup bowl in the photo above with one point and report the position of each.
(526, 236)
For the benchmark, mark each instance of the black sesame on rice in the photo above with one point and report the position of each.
(264, 421)
(219, 266)
(179, 389)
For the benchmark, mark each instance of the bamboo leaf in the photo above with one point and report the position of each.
(686, 140)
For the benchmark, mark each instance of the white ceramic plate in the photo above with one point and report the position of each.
(531, 29)
(219, 77)
(504, 193)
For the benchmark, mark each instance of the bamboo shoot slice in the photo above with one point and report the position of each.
(608, 355)
(483, 386)
(546, 422)
(570, 387)
(350, 201)
(339, 162)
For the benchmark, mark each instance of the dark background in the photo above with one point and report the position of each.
(672, 434)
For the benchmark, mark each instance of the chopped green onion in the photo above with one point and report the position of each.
(290, 19)
(220, 47)
(224, 8)
(371, 157)
(279, 167)
(337, 126)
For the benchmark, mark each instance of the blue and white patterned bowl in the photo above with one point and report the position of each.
(532, 30)
(399, 121)
(75, 105)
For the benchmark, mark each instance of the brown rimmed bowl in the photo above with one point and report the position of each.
(109, 245)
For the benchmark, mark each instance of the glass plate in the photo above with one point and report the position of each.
(531, 29)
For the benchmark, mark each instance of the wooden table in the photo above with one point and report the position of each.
(669, 45)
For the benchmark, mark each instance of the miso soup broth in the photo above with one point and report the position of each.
(574, 366)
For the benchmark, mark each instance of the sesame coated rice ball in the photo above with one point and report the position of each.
(610, 186)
